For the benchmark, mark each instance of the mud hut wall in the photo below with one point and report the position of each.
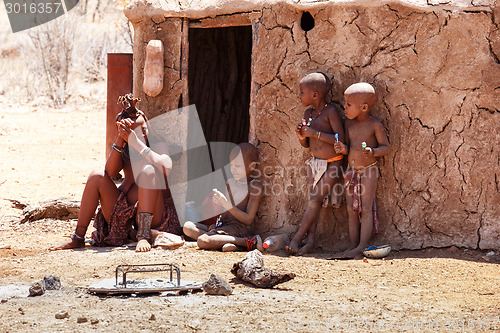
(169, 31)
(437, 74)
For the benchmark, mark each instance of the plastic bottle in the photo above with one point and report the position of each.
(275, 243)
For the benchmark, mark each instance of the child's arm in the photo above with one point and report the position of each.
(335, 124)
(252, 206)
(340, 147)
(114, 163)
(304, 141)
(157, 155)
(384, 146)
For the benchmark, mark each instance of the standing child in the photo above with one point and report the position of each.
(318, 131)
(234, 228)
(365, 141)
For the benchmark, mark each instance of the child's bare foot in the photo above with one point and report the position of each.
(229, 247)
(308, 248)
(351, 254)
(348, 254)
(293, 247)
(143, 246)
(71, 244)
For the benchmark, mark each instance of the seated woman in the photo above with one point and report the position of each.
(145, 195)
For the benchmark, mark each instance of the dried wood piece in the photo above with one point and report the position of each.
(251, 269)
(58, 208)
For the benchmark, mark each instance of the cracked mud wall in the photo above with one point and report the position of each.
(437, 73)
(169, 32)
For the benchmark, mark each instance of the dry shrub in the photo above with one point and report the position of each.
(53, 49)
(62, 61)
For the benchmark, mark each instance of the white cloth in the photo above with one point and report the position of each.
(318, 168)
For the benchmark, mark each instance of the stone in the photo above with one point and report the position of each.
(94, 321)
(37, 288)
(216, 285)
(52, 282)
(63, 314)
(81, 320)
(152, 317)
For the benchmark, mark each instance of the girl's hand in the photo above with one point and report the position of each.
(368, 152)
(309, 132)
(221, 199)
(299, 131)
(340, 148)
(166, 163)
(124, 128)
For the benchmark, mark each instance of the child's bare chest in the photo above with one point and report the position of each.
(239, 192)
(321, 123)
(360, 132)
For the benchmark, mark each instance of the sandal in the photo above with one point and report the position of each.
(254, 242)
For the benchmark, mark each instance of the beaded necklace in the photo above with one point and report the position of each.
(310, 115)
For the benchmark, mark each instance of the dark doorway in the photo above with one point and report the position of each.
(219, 81)
(219, 85)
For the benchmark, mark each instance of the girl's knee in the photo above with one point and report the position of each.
(188, 228)
(203, 241)
(148, 171)
(96, 176)
(315, 200)
(147, 177)
(366, 211)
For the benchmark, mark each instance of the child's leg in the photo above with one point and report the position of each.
(311, 208)
(368, 188)
(216, 241)
(99, 187)
(150, 201)
(325, 185)
(310, 218)
(194, 229)
(353, 219)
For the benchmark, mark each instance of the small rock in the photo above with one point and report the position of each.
(52, 282)
(153, 317)
(94, 321)
(216, 285)
(37, 288)
(4, 300)
(490, 254)
(80, 320)
(62, 314)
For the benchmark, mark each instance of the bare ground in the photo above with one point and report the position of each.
(49, 153)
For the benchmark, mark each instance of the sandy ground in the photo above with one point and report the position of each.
(49, 153)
